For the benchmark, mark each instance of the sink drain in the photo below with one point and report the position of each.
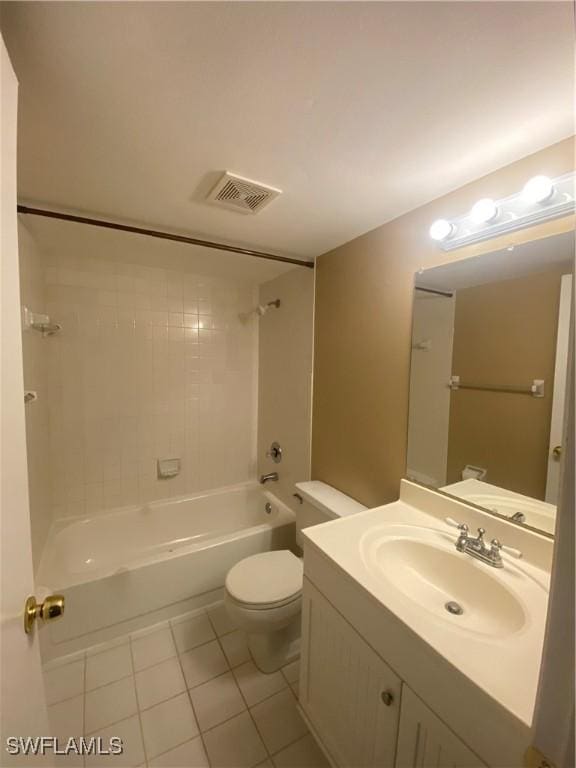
(454, 608)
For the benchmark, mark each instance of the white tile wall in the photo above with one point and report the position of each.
(36, 356)
(151, 362)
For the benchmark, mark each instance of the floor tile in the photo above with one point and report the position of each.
(188, 755)
(108, 666)
(217, 701)
(192, 632)
(265, 764)
(168, 725)
(278, 721)
(255, 685)
(292, 671)
(110, 703)
(67, 761)
(304, 753)
(152, 648)
(203, 663)
(150, 630)
(235, 744)
(67, 718)
(64, 682)
(133, 754)
(160, 682)
(117, 641)
(61, 661)
(235, 647)
(296, 688)
(220, 619)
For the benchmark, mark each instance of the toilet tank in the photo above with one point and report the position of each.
(321, 503)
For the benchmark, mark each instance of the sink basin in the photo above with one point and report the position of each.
(423, 566)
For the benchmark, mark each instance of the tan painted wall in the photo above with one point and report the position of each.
(363, 319)
(504, 333)
(284, 378)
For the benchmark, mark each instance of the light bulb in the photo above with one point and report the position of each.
(441, 229)
(538, 189)
(484, 211)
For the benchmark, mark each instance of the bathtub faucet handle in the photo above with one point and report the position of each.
(275, 452)
(271, 476)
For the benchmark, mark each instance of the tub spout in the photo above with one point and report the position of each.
(271, 476)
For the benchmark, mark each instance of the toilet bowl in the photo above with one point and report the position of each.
(263, 593)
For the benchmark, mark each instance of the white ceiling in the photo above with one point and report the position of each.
(358, 111)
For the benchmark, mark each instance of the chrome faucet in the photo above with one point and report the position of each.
(518, 517)
(271, 476)
(476, 546)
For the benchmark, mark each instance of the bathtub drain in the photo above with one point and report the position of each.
(454, 608)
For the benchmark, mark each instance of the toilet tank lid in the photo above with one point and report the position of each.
(331, 501)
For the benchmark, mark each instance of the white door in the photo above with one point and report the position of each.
(22, 704)
(559, 393)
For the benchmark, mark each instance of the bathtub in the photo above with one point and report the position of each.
(130, 567)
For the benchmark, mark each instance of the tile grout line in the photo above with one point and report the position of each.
(136, 672)
(290, 744)
(188, 692)
(230, 671)
(277, 752)
(118, 642)
(268, 755)
(137, 700)
(117, 680)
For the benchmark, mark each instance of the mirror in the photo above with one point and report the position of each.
(487, 378)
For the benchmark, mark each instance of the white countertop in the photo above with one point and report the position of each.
(505, 666)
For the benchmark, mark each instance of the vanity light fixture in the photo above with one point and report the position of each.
(440, 230)
(538, 190)
(541, 199)
(484, 210)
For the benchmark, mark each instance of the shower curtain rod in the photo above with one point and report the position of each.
(161, 235)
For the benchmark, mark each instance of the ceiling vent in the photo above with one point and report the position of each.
(242, 195)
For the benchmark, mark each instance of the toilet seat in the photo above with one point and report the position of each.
(267, 580)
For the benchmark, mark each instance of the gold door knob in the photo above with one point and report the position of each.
(557, 451)
(51, 609)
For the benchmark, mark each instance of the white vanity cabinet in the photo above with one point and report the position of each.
(359, 709)
(424, 741)
(349, 695)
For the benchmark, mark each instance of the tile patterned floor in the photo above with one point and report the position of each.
(182, 693)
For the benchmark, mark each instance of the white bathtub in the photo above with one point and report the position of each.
(132, 566)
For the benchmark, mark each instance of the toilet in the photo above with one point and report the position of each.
(263, 592)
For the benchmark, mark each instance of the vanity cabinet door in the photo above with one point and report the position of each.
(425, 742)
(350, 696)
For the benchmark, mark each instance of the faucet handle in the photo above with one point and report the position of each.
(497, 546)
(461, 526)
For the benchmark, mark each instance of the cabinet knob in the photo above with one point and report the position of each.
(387, 697)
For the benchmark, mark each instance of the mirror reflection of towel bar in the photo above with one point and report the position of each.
(536, 389)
